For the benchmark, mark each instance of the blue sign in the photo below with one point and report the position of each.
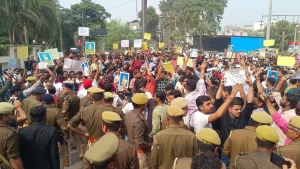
(90, 48)
(12, 63)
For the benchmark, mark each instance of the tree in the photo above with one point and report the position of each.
(152, 21)
(196, 17)
(117, 31)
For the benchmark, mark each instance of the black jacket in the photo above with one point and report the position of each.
(39, 147)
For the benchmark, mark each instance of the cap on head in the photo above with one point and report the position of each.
(6, 108)
(48, 98)
(103, 149)
(87, 83)
(180, 102)
(94, 90)
(174, 111)
(267, 133)
(140, 98)
(110, 117)
(209, 136)
(39, 90)
(295, 122)
(68, 85)
(108, 95)
(31, 78)
(261, 117)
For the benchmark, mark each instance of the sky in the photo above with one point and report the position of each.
(237, 12)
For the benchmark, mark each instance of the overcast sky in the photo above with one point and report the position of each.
(238, 12)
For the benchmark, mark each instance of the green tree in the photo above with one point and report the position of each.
(118, 31)
(152, 21)
(196, 17)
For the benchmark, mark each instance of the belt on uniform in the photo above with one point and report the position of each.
(92, 140)
(141, 151)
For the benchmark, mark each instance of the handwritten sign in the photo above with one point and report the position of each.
(22, 52)
(286, 61)
(137, 43)
(234, 76)
(147, 36)
(268, 43)
(115, 46)
(124, 43)
(169, 68)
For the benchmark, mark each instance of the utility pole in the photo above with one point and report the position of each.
(144, 17)
(282, 40)
(295, 36)
(269, 19)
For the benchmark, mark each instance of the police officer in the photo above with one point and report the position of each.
(33, 101)
(208, 141)
(292, 151)
(104, 153)
(182, 103)
(9, 141)
(243, 140)
(127, 155)
(55, 118)
(266, 139)
(164, 142)
(137, 129)
(92, 118)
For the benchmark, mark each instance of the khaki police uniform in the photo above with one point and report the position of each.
(172, 143)
(127, 155)
(244, 140)
(104, 151)
(205, 136)
(27, 105)
(9, 140)
(60, 100)
(137, 130)
(292, 150)
(56, 119)
(259, 159)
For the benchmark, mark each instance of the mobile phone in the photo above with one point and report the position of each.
(279, 161)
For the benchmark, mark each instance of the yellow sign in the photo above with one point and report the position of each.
(190, 63)
(276, 51)
(161, 45)
(233, 55)
(169, 68)
(147, 36)
(144, 46)
(177, 50)
(22, 52)
(286, 61)
(115, 46)
(268, 43)
(180, 61)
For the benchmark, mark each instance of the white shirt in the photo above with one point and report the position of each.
(200, 121)
(128, 107)
(82, 93)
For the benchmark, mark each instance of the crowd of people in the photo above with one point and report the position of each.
(189, 119)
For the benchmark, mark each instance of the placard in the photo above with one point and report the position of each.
(124, 80)
(12, 63)
(54, 53)
(83, 31)
(230, 51)
(161, 45)
(180, 61)
(137, 43)
(124, 43)
(22, 52)
(268, 43)
(61, 54)
(273, 74)
(42, 65)
(169, 68)
(147, 36)
(144, 46)
(85, 69)
(46, 57)
(286, 61)
(90, 48)
(72, 65)
(194, 53)
(234, 76)
(115, 46)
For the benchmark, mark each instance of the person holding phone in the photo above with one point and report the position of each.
(266, 139)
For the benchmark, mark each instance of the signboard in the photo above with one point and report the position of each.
(83, 31)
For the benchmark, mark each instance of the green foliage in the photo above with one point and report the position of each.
(152, 21)
(197, 17)
(118, 31)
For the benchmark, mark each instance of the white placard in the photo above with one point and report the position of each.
(124, 43)
(137, 43)
(234, 76)
(194, 53)
(72, 65)
(83, 31)
(61, 54)
(42, 65)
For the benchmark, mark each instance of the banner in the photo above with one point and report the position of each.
(268, 43)
(137, 43)
(90, 48)
(46, 57)
(147, 36)
(115, 46)
(22, 52)
(286, 61)
(54, 53)
(12, 63)
(124, 43)
(161, 45)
